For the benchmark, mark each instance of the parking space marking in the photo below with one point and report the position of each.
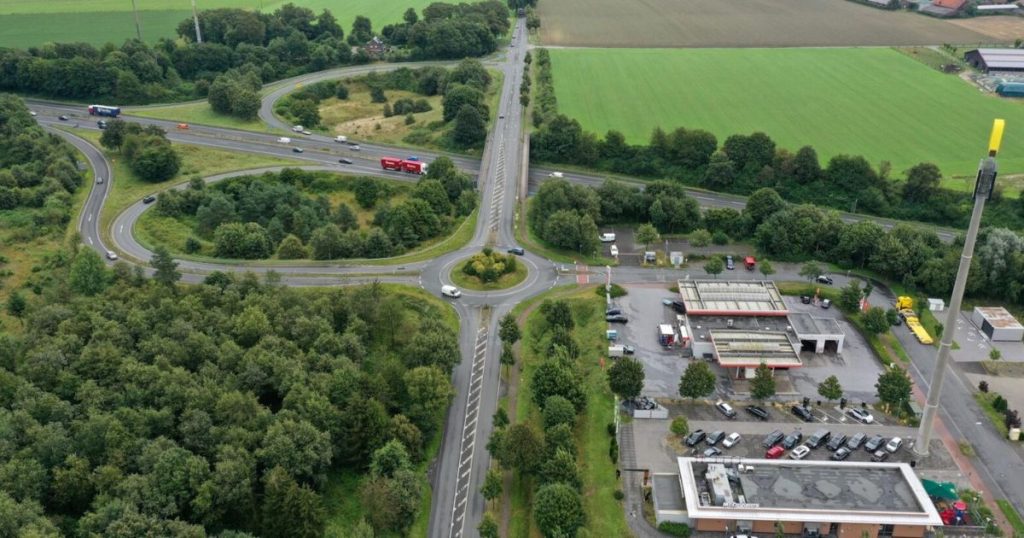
(469, 427)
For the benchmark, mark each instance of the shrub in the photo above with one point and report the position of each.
(616, 291)
(720, 238)
(675, 529)
(619, 495)
(489, 266)
(192, 245)
(983, 386)
(700, 238)
(999, 404)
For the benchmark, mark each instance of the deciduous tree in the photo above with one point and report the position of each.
(626, 378)
(697, 381)
(763, 384)
(830, 389)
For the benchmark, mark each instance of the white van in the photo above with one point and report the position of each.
(607, 238)
(556, 175)
(616, 351)
(284, 140)
(341, 139)
(451, 291)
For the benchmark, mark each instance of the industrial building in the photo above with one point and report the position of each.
(989, 60)
(809, 498)
(741, 324)
(998, 324)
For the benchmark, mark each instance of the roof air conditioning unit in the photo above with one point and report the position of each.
(729, 323)
(789, 328)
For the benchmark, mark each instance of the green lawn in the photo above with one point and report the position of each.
(1011, 516)
(874, 102)
(30, 22)
(197, 113)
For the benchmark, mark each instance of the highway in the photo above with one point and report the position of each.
(462, 462)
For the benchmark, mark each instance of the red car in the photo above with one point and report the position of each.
(774, 452)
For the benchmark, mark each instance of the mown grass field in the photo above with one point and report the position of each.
(26, 23)
(745, 23)
(878, 102)
(198, 113)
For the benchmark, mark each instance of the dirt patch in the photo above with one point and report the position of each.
(997, 28)
(743, 23)
(1004, 369)
(360, 118)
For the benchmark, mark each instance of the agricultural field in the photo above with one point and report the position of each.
(875, 102)
(741, 23)
(25, 23)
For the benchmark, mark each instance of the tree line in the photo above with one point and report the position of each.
(743, 164)
(146, 149)
(448, 31)
(38, 174)
(289, 214)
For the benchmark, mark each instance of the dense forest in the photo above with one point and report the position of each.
(289, 41)
(743, 164)
(290, 213)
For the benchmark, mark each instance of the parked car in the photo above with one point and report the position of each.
(774, 453)
(518, 251)
(893, 445)
(860, 414)
(726, 410)
(826, 304)
(613, 312)
(297, 129)
(819, 438)
(679, 306)
(695, 437)
(841, 454)
(757, 411)
(617, 318)
(824, 279)
(836, 442)
(773, 439)
(799, 452)
(345, 161)
(805, 299)
(628, 349)
(792, 440)
(876, 442)
(879, 456)
(607, 237)
(307, 132)
(149, 199)
(729, 263)
(732, 440)
(712, 452)
(714, 437)
(856, 440)
(802, 412)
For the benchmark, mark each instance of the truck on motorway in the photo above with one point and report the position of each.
(101, 110)
(341, 139)
(403, 165)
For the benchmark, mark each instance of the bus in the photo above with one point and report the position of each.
(100, 110)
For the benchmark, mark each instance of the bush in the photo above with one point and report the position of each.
(999, 403)
(192, 245)
(613, 451)
(983, 386)
(700, 238)
(675, 529)
(619, 495)
(489, 266)
(616, 291)
(720, 238)
(611, 429)
(680, 426)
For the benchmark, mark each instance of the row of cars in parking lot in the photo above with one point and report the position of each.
(777, 443)
(803, 413)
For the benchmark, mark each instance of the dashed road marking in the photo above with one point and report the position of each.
(469, 433)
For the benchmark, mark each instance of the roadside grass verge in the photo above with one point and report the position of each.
(468, 282)
(198, 113)
(1011, 516)
(984, 400)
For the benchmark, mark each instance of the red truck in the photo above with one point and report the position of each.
(749, 261)
(403, 165)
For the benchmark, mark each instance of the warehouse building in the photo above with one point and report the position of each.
(989, 60)
(809, 498)
(998, 324)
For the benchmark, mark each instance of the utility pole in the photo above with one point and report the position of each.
(983, 188)
(138, 25)
(195, 19)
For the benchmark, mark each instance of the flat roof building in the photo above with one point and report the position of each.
(812, 498)
(731, 298)
(997, 323)
(996, 59)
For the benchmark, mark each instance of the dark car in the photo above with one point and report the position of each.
(805, 299)
(792, 440)
(876, 442)
(712, 452)
(714, 437)
(729, 263)
(837, 441)
(773, 439)
(679, 306)
(518, 251)
(726, 410)
(149, 199)
(616, 318)
(345, 161)
(297, 150)
(102, 124)
(802, 412)
(819, 438)
(856, 440)
(613, 312)
(695, 437)
(880, 455)
(63, 117)
(841, 454)
(757, 411)
(824, 279)
(628, 349)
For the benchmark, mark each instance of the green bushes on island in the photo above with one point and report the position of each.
(489, 266)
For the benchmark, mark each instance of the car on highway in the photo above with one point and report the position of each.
(451, 291)
(345, 161)
(729, 263)
(876, 442)
(297, 129)
(102, 124)
(616, 318)
(32, 113)
(307, 132)
(695, 437)
(149, 199)
(772, 439)
(297, 150)
(841, 454)
(183, 126)
(63, 117)
(726, 410)
(354, 147)
(757, 411)
(518, 251)
(837, 441)
(802, 412)
(893, 445)
(879, 456)
(731, 440)
(824, 279)
(860, 414)
(792, 440)
(712, 452)
(111, 255)
(774, 453)
(799, 452)
(856, 440)
(715, 437)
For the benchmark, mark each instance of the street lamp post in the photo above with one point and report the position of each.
(983, 188)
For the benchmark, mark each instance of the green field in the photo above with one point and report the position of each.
(26, 23)
(874, 102)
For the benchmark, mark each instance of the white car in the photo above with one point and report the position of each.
(297, 129)
(284, 140)
(861, 415)
(615, 251)
(799, 452)
(111, 255)
(32, 112)
(731, 440)
(451, 291)
(307, 132)
(341, 139)
(556, 175)
(893, 445)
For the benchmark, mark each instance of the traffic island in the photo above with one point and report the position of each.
(489, 270)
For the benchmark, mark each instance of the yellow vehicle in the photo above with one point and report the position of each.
(905, 306)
